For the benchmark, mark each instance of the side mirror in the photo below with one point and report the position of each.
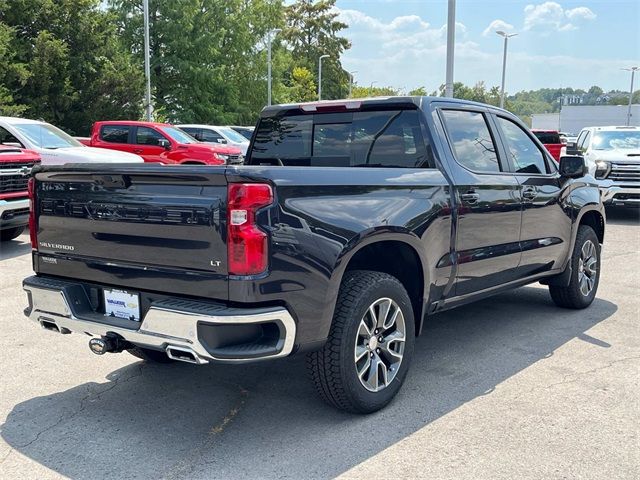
(163, 142)
(222, 140)
(573, 166)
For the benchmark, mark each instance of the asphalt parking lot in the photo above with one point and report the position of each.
(511, 387)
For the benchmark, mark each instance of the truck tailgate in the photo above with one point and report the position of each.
(156, 228)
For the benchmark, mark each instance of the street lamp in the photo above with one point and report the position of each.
(371, 87)
(633, 72)
(320, 75)
(147, 67)
(506, 36)
(351, 81)
(270, 36)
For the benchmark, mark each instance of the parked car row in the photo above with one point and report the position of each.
(129, 142)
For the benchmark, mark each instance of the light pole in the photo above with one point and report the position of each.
(506, 36)
(633, 72)
(451, 42)
(351, 81)
(147, 67)
(320, 75)
(270, 36)
(371, 87)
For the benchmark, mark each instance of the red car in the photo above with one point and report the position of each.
(15, 170)
(159, 143)
(551, 140)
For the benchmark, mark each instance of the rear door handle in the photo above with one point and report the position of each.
(137, 150)
(530, 193)
(470, 197)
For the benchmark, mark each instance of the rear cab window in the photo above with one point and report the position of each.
(380, 138)
(115, 133)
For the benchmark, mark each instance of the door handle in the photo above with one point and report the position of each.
(470, 197)
(138, 150)
(530, 193)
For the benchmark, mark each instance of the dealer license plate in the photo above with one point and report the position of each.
(122, 304)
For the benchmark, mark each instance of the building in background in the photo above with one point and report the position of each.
(573, 118)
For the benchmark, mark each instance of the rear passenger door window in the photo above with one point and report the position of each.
(523, 153)
(471, 140)
(115, 133)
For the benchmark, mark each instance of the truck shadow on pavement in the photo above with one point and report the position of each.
(265, 421)
(15, 248)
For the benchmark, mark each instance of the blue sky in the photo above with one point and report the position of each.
(401, 43)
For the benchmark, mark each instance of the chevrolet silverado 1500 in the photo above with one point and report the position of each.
(352, 222)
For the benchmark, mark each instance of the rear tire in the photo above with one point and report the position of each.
(585, 274)
(370, 345)
(10, 233)
(150, 355)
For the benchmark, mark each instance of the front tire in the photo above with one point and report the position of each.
(585, 275)
(370, 345)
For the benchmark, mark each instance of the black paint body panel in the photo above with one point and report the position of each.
(163, 228)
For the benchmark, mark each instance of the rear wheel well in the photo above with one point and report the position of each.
(595, 221)
(400, 260)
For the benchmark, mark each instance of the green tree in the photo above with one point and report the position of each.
(303, 87)
(418, 92)
(12, 73)
(364, 92)
(208, 60)
(75, 70)
(311, 31)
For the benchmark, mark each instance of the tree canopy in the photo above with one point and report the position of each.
(77, 61)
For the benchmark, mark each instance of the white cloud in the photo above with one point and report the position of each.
(580, 12)
(497, 25)
(551, 16)
(407, 51)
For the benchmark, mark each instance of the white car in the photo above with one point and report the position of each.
(55, 146)
(215, 134)
(612, 155)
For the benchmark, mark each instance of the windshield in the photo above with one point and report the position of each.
(617, 140)
(43, 135)
(246, 132)
(178, 135)
(232, 135)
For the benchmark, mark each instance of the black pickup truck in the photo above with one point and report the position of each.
(351, 223)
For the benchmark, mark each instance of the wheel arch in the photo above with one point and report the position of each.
(397, 254)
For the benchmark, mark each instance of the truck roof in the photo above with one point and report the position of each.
(356, 103)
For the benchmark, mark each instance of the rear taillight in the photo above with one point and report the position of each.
(33, 228)
(247, 245)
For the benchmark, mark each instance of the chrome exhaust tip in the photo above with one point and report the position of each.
(184, 354)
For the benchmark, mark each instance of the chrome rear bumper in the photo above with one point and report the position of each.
(172, 325)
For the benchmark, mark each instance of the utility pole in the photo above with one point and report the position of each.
(147, 67)
(270, 36)
(506, 36)
(451, 41)
(633, 72)
(320, 75)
